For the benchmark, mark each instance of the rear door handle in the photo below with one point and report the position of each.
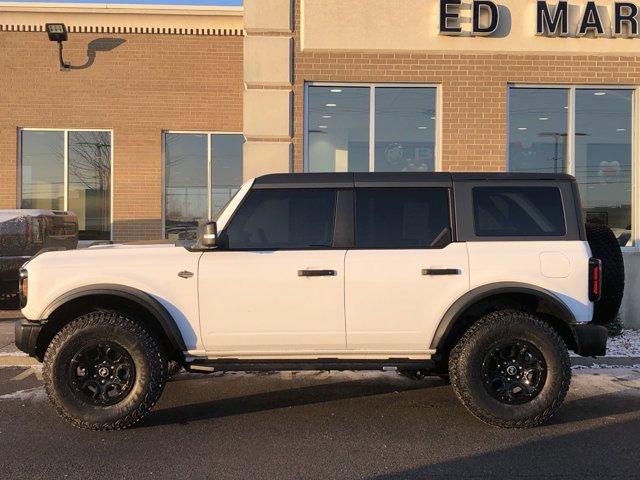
(317, 273)
(441, 271)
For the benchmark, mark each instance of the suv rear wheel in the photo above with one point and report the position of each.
(511, 370)
(104, 371)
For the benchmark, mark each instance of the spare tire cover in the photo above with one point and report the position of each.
(604, 246)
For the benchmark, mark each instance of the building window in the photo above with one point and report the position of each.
(586, 132)
(202, 172)
(538, 129)
(69, 170)
(384, 128)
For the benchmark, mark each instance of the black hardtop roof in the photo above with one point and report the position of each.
(388, 179)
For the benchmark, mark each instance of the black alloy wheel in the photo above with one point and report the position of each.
(102, 374)
(514, 372)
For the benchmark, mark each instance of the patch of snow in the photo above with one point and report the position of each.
(603, 366)
(627, 344)
(30, 394)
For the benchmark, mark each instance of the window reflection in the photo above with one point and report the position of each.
(42, 170)
(339, 121)
(538, 130)
(405, 131)
(185, 182)
(90, 183)
(603, 157)
(226, 169)
(338, 129)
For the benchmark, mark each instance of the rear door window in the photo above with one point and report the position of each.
(518, 212)
(402, 218)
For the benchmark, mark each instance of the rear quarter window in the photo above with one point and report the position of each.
(518, 212)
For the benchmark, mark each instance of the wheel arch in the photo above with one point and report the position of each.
(111, 297)
(498, 296)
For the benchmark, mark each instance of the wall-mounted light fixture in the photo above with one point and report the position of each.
(57, 32)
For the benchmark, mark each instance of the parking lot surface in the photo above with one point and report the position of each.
(323, 425)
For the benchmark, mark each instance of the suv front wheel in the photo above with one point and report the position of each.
(104, 371)
(511, 370)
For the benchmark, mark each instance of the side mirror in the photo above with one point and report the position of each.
(209, 237)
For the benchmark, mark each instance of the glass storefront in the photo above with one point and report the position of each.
(603, 157)
(381, 128)
(202, 172)
(538, 129)
(586, 132)
(87, 161)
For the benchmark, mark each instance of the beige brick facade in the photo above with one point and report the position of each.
(474, 90)
(146, 84)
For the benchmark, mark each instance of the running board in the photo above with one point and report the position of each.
(235, 365)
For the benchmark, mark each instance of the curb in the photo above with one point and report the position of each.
(17, 361)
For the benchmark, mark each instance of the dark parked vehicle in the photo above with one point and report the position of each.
(24, 233)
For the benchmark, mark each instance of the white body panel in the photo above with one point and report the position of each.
(560, 267)
(255, 304)
(391, 305)
(150, 268)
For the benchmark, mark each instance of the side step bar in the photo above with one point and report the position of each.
(235, 365)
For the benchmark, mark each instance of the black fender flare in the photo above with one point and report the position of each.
(477, 294)
(143, 299)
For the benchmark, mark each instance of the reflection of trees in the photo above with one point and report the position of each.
(90, 168)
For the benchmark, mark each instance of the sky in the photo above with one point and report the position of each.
(157, 2)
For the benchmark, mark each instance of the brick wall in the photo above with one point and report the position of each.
(474, 90)
(147, 84)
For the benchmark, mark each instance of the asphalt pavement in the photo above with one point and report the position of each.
(318, 425)
(324, 426)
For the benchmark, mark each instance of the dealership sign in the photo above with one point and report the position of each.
(554, 20)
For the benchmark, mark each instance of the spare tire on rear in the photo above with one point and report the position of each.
(604, 246)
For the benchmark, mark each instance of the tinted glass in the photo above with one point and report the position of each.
(518, 211)
(538, 129)
(289, 219)
(42, 170)
(603, 155)
(226, 169)
(90, 183)
(338, 129)
(402, 217)
(405, 129)
(185, 182)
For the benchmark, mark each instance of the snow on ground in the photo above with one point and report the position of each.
(626, 344)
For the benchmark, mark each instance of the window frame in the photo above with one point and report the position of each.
(465, 210)
(209, 135)
(570, 166)
(65, 132)
(372, 114)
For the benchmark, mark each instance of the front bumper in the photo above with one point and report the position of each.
(27, 334)
(591, 339)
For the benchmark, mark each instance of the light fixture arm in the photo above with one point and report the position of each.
(63, 65)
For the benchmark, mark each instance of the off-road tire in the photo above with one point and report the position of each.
(142, 346)
(465, 365)
(604, 246)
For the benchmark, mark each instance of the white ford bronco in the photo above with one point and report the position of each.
(484, 279)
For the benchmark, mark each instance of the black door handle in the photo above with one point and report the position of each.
(441, 271)
(317, 273)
